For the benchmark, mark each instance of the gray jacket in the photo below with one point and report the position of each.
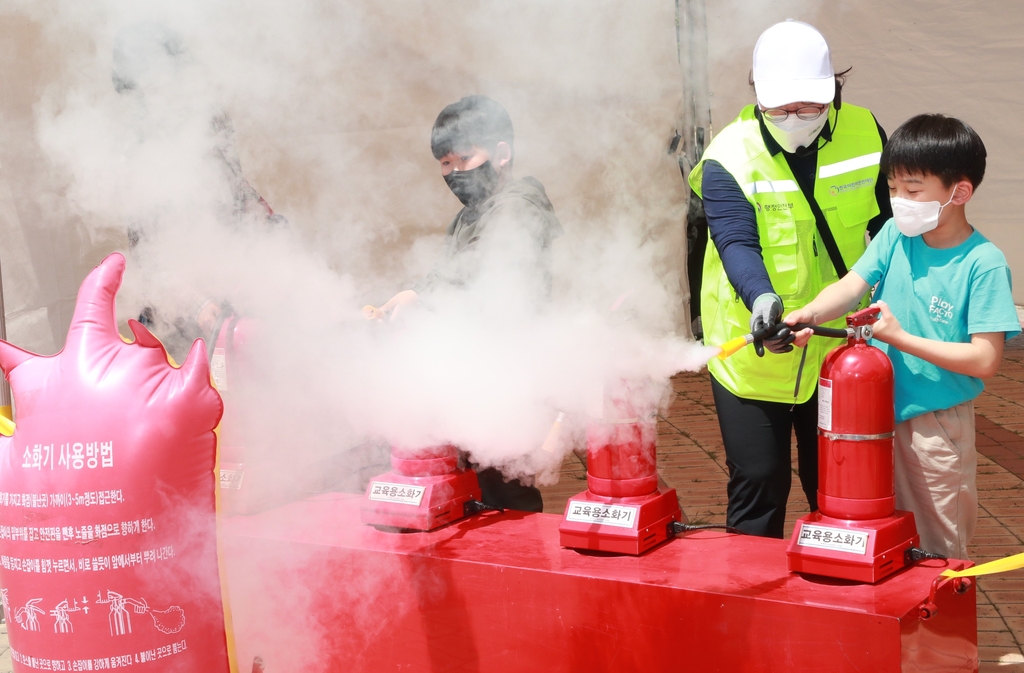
(505, 240)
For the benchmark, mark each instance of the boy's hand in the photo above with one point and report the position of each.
(803, 315)
(391, 307)
(888, 328)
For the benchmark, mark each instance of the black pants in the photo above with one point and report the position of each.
(513, 494)
(757, 451)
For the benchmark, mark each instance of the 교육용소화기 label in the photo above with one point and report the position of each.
(836, 539)
(581, 511)
(231, 475)
(403, 494)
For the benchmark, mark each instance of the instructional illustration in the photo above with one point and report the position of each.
(62, 615)
(28, 616)
(167, 621)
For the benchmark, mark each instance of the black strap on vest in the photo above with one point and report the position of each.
(823, 229)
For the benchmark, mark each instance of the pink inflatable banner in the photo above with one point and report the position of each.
(108, 487)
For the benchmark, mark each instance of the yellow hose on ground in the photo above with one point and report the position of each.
(1002, 565)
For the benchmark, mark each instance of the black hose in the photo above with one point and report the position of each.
(677, 527)
(830, 332)
(915, 554)
(774, 330)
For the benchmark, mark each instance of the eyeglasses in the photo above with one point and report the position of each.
(777, 114)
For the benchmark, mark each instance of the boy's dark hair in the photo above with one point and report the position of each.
(474, 120)
(934, 144)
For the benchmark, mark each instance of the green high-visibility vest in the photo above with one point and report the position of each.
(797, 261)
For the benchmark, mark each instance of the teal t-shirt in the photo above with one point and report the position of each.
(942, 294)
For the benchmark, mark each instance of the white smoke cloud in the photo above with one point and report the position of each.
(331, 109)
(470, 369)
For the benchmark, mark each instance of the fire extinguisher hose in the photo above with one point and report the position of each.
(734, 345)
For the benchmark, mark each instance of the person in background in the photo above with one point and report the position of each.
(506, 225)
(791, 189)
(152, 67)
(501, 238)
(944, 293)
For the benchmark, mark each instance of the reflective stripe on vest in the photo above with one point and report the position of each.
(794, 256)
(863, 161)
(778, 186)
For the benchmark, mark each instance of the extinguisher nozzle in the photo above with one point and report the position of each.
(551, 441)
(733, 345)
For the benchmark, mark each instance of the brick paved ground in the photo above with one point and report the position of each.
(692, 460)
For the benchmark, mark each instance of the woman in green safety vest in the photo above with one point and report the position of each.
(791, 188)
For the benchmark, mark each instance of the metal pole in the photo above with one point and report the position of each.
(5, 387)
(692, 44)
(692, 136)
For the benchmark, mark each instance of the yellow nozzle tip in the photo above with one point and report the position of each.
(731, 346)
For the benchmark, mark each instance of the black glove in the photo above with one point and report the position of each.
(765, 314)
(782, 342)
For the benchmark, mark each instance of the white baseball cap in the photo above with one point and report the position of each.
(792, 64)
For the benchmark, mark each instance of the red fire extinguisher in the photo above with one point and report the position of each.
(856, 533)
(856, 425)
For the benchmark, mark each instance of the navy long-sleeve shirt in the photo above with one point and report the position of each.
(732, 224)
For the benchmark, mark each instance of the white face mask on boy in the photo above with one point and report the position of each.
(914, 218)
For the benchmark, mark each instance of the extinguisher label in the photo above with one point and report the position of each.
(402, 494)
(219, 369)
(231, 475)
(836, 539)
(582, 511)
(825, 404)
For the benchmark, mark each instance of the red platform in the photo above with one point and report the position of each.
(314, 590)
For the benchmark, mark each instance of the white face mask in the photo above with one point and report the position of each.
(793, 132)
(914, 218)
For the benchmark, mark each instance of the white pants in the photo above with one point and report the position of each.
(936, 475)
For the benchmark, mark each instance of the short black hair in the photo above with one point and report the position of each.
(934, 144)
(474, 120)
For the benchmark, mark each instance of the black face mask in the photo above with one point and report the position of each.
(475, 185)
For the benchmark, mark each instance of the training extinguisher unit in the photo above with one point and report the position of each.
(626, 508)
(425, 489)
(856, 533)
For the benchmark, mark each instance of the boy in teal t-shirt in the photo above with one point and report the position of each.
(944, 293)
